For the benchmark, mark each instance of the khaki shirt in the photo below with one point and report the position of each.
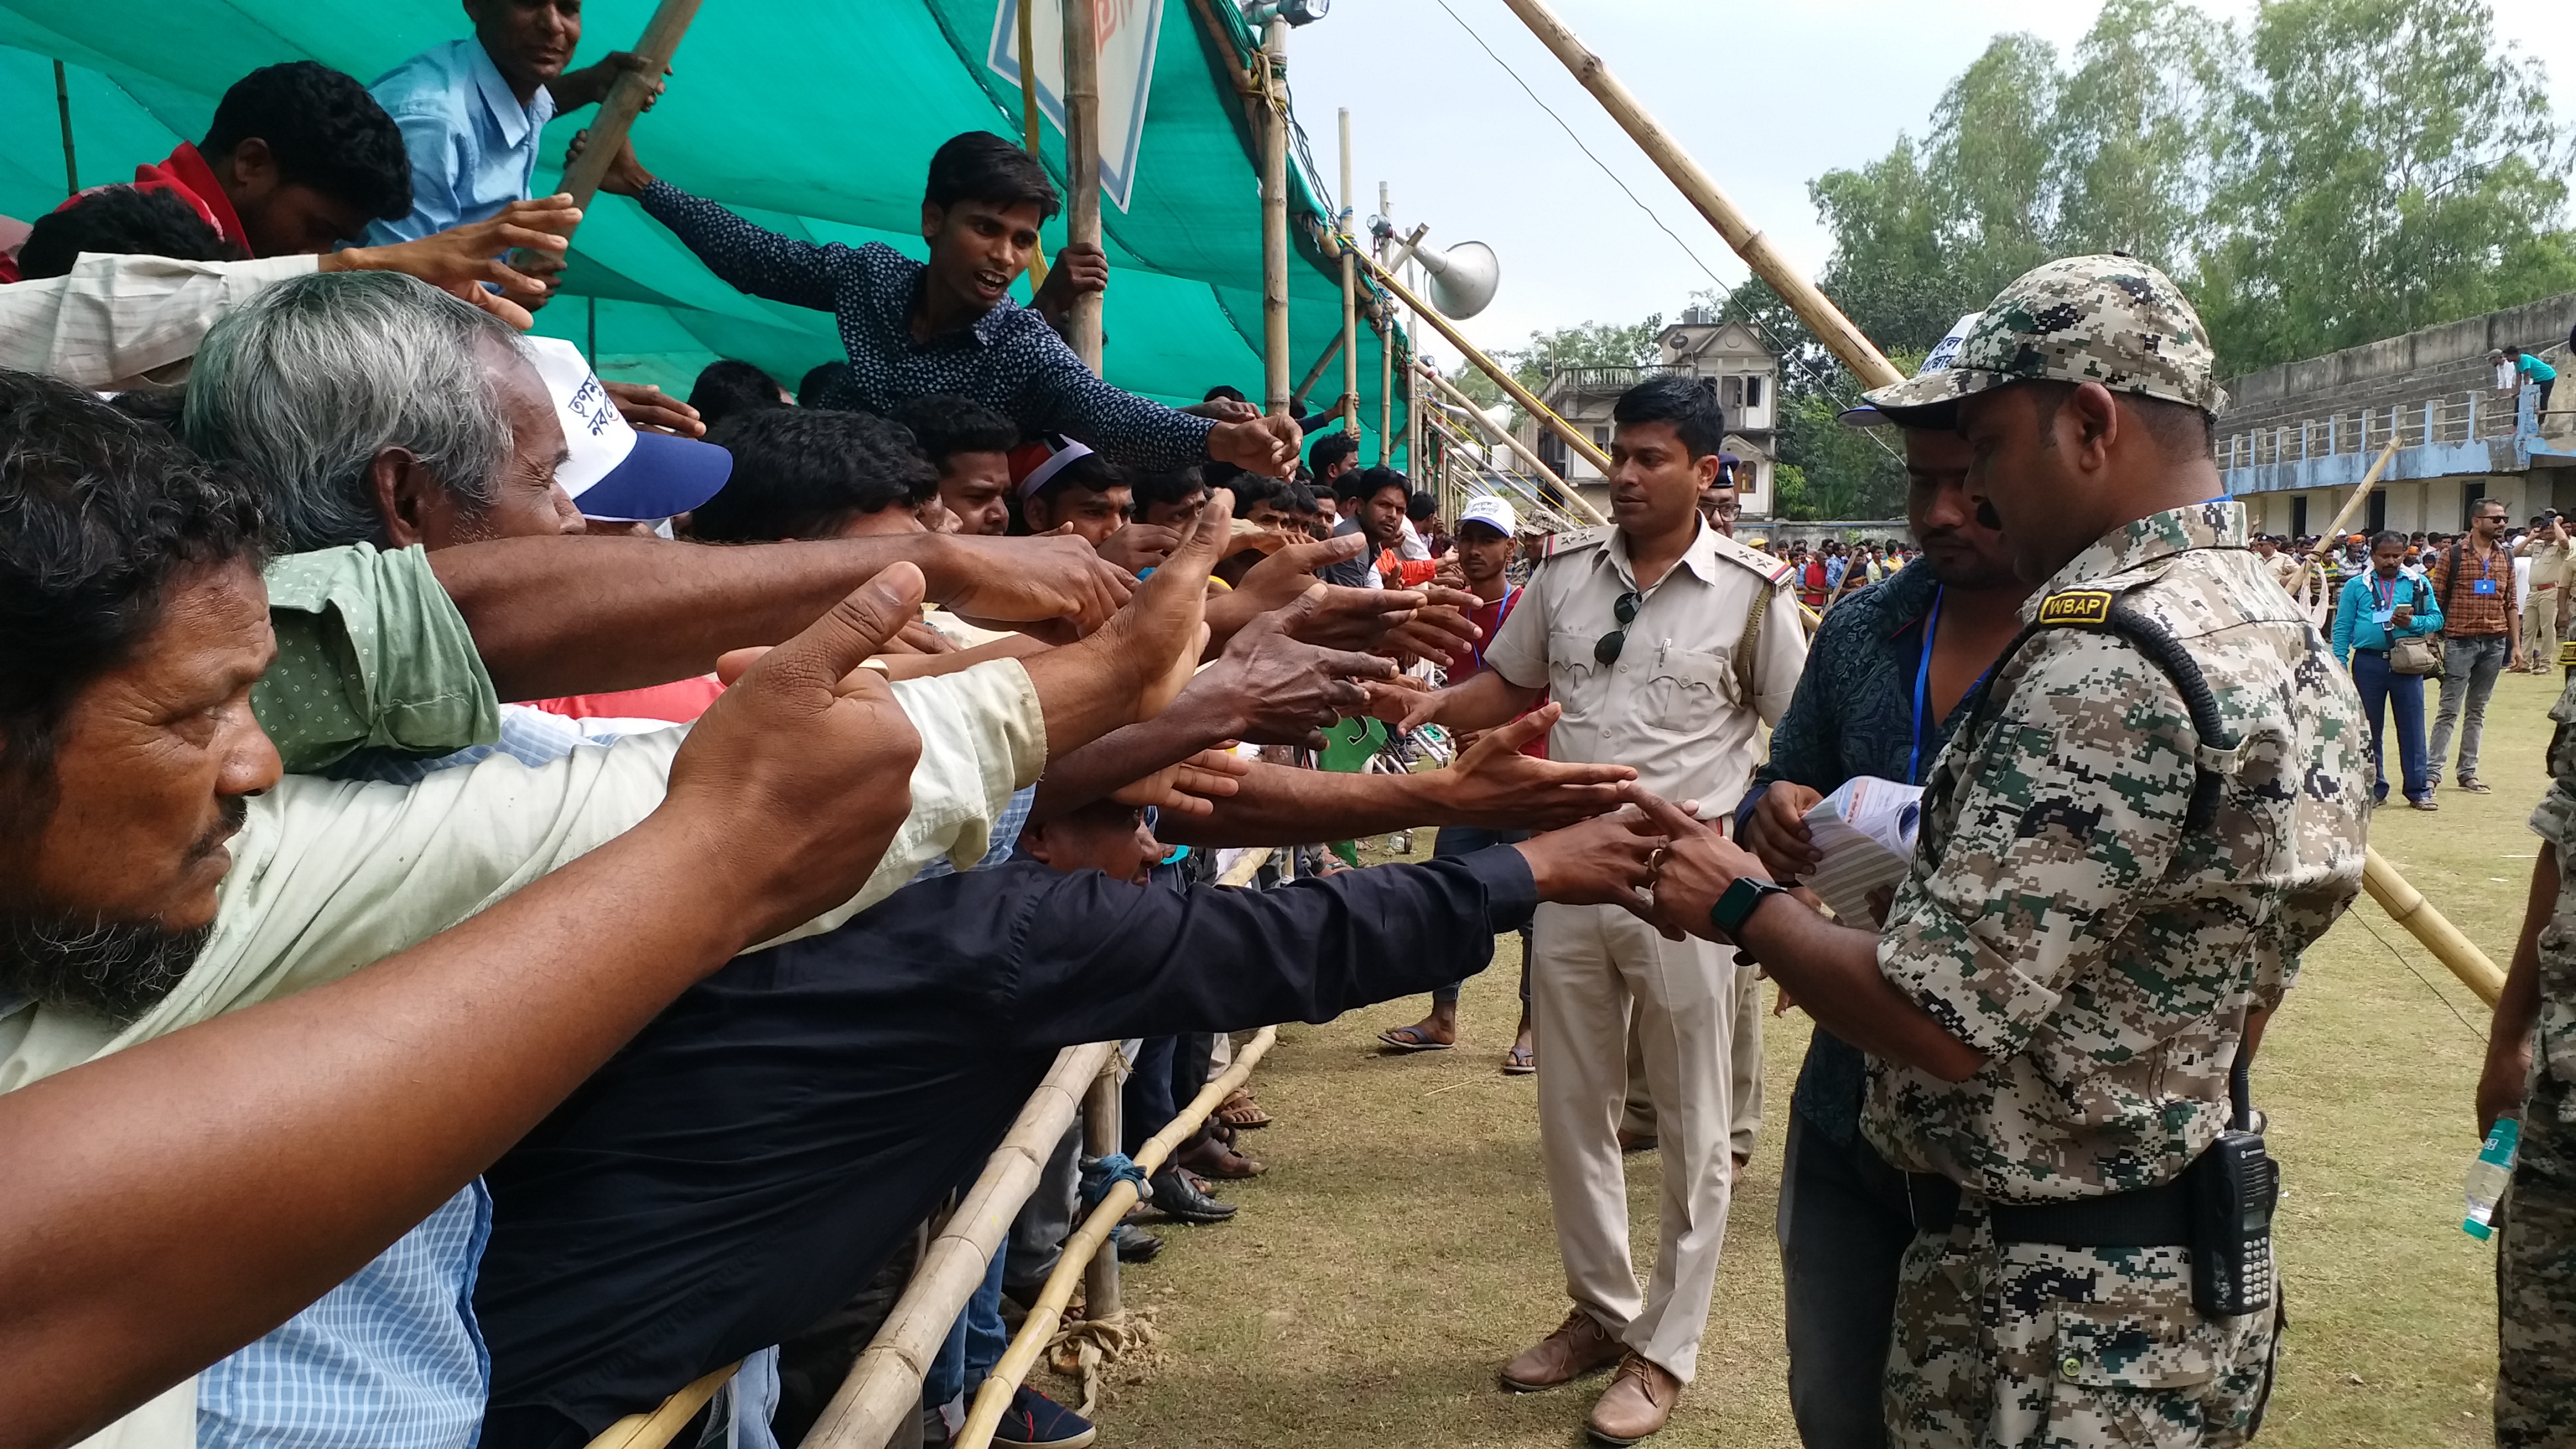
(1673, 706)
(2549, 561)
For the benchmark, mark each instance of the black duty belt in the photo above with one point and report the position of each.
(2151, 1217)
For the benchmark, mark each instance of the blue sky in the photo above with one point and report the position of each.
(1765, 95)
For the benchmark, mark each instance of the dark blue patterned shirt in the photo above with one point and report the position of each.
(1854, 715)
(1009, 360)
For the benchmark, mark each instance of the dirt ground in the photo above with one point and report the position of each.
(1399, 1248)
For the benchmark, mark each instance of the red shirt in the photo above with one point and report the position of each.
(185, 174)
(679, 702)
(1468, 660)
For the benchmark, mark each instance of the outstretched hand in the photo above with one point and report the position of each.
(1603, 861)
(1697, 868)
(1278, 689)
(1191, 787)
(804, 727)
(461, 259)
(1264, 445)
(1496, 787)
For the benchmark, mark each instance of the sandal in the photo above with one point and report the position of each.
(1412, 1039)
(1241, 1113)
(2477, 787)
(1520, 1061)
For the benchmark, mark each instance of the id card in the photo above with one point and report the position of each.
(2383, 617)
(2485, 588)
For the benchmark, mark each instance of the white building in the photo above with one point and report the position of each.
(1699, 345)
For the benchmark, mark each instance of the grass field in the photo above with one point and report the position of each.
(1399, 1248)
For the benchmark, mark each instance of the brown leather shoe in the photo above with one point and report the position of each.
(1637, 1403)
(1579, 1346)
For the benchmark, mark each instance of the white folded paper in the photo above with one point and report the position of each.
(1865, 832)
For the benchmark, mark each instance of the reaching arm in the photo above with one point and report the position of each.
(557, 616)
(2343, 628)
(145, 1232)
(1484, 701)
(1493, 786)
(749, 258)
(2507, 1076)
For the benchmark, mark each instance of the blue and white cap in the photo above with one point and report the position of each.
(1943, 356)
(613, 472)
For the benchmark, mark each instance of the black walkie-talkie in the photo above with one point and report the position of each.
(2235, 1186)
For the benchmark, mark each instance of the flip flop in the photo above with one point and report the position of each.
(1411, 1039)
(1520, 1061)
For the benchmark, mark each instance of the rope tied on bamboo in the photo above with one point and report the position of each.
(1102, 1173)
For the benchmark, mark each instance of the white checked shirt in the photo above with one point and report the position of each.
(118, 322)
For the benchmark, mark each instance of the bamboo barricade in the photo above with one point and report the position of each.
(1031, 1340)
(658, 1428)
(1825, 320)
(71, 159)
(2334, 530)
(1349, 341)
(1274, 217)
(885, 1384)
(1857, 353)
(1491, 477)
(625, 100)
(2407, 907)
(1385, 357)
(1082, 164)
(1031, 138)
(1306, 385)
(1450, 391)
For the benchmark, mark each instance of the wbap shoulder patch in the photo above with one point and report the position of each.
(2076, 606)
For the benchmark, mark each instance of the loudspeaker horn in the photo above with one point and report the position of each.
(1463, 277)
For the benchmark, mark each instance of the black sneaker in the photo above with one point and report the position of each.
(1033, 1418)
(1178, 1197)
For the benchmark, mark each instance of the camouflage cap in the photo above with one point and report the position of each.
(2110, 319)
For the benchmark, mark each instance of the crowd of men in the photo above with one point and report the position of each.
(523, 890)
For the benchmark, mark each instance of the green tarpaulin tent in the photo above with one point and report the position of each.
(814, 120)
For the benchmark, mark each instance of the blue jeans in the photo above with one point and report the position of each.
(975, 1343)
(2384, 691)
(1457, 840)
(1843, 1227)
(2469, 670)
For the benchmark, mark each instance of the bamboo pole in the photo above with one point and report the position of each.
(1503, 379)
(1102, 1136)
(1825, 320)
(1527, 455)
(2334, 530)
(1323, 359)
(1274, 218)
(656, 1429)
(1048, 1311)
(1412, 413)
(1385, 358)
(1032, 137)
(1242, 871)
(71, 163)
(1082, 162)
(1350, 338)
(885, 1383)
(2407, 907)
(625, 99)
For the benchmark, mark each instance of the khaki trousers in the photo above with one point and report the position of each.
(1638, 1119)
(2540, 628)
(1596, 969)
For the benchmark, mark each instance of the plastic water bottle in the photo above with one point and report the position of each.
(2488, 1177)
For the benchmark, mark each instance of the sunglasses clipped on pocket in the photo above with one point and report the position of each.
(1606, 650)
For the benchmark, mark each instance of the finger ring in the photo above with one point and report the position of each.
(1655, 862)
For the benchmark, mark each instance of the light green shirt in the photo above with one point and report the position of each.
(370, 652)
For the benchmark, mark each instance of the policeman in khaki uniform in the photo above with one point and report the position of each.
(1664, 641)
(2155, 806)
(2531, 1075)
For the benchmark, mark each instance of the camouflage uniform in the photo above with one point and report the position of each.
(2063, 919)
(2536, 1247)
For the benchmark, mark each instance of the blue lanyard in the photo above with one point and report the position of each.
(1923, 685)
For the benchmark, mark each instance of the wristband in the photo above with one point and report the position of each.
(1739, 903)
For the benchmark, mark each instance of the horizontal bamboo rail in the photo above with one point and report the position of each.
(2407, 907)
(656, 1429)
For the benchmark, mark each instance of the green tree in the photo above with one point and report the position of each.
(2393, 167)
(1592, 344)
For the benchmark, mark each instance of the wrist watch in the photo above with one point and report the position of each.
(1739, 903)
